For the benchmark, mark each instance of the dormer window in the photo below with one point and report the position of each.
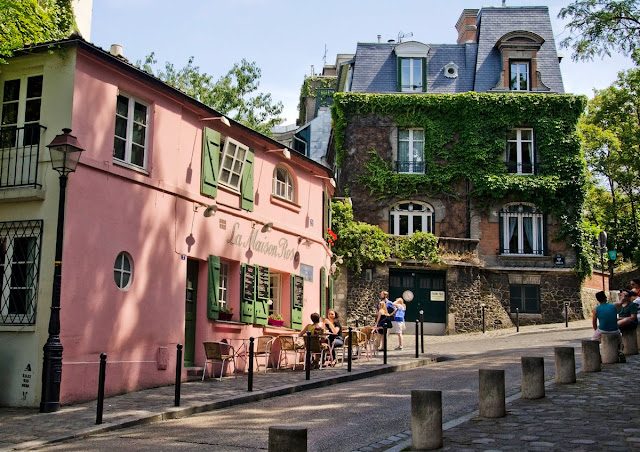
(519, 50)
(412, 67)
(519, 75)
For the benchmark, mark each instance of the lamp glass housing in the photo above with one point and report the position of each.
(65, 152)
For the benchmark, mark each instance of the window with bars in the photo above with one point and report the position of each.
(522, 230)
(20, 243)
(410, 151)
(524, 297)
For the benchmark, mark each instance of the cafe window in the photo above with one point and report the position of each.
(223, 284)
(275, 284)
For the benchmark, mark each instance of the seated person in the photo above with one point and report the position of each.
(334, 329)
(627, 311)
(604, 318)
(315, 327)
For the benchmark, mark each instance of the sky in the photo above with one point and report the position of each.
(287, 38)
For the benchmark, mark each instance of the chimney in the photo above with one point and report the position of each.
(466, 26)
(379, 39)
(116, 50)
(82, 11)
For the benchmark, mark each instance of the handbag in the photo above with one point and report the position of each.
(387, 322)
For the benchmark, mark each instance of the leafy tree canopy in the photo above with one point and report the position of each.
(599, 27)
(28, 22)
(234, 94)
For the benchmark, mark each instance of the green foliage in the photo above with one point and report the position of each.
(599, 27)
(231, 94)
(310, 88)
(465, 141)
(29, 22)
(360, 243)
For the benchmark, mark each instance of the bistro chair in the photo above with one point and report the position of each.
(358, 344)
(289, 344)
(214, 353)
(263, 350)
(318, 348)
(371, 335)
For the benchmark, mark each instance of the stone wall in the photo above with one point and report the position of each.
(363, 295)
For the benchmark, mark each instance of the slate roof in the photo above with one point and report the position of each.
(479, 64)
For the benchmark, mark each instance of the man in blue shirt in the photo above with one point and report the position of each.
(604, 318)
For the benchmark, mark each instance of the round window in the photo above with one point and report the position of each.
(123, 271)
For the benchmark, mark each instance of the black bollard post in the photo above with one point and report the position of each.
(566, 315)
(417, 341)
(517, 320)
(349, 352)
(103, 369)
(176, 397)
(384, 346)
(356, 322)
(483, 319)
(307, 358)
(250, 377)
(422, 331)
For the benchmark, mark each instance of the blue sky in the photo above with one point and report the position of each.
(285, 38)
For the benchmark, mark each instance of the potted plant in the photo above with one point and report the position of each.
(225, 313)
(275, 320)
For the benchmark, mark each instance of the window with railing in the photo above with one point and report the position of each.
(20, 243)
(410, 151)
(522, 230)
(409, 217)
(520, 152)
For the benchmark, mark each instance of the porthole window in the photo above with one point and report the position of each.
(451, 70)
(123, 271)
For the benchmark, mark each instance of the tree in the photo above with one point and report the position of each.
(231, 94)
(28, 22)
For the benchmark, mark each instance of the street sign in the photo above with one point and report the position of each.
(613, 254)
(602, 239)
(559, 259)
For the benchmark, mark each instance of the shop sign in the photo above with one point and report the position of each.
(278, 249)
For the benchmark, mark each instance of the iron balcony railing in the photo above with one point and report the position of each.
(521, 168)
(410, 167)
(19, 155)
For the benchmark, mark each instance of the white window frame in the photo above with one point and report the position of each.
(396, 214)
(275, 293)
(514, 214)
(22, 107)
(223, 285)
(518, 143)
(7, 266)
(232, 163)
(128, 139)
(121, 271)
(283, 186)
(415, 156)
(412, 87)
(517, 73)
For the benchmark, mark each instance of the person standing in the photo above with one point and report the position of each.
(382, 319)
(397, 324)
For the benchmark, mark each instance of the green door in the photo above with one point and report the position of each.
(429, 294)
(190, 312)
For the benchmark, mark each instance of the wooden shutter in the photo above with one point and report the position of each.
(247, 182)
(296, 308)
(248, 293)
(323, 292)
(213, 287)
(424, 75)
(261, 309)
(210, 162)
(399, 81)
(330, 296)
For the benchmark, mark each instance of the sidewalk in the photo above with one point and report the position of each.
(27, 428)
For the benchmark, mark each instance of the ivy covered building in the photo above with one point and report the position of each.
(475, 143)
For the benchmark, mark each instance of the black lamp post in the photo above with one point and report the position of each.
(65, 153)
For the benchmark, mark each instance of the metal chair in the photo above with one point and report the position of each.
(214, 353)
(358, 342)
(371, 335)
(288, 344)
(263, 349)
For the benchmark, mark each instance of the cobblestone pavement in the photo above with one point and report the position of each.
(22, 429)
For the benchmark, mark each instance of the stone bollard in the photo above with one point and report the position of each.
(287, 439)
(426, 419)
(532, 377)
(609, 348)
(565, 361)
(491, 393)
(591, 361)
(638, 337)
(629, 342)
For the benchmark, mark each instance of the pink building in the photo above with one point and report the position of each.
(174, 212)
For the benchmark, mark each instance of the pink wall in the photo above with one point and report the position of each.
(112, 209)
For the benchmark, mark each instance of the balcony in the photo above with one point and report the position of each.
(19, 157)
(409, 167)
(521, 168)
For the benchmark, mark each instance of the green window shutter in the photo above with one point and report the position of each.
(424, 74)
(210, 162)
(262, 304)
(399, 84)
(247, 302)
(213, 287)
(501, 233)
(296, 311)
(247, 182)
(330, 292)
(323, 292)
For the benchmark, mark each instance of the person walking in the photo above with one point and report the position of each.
(397, 324)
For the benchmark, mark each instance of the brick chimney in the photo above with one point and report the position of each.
(466, 26)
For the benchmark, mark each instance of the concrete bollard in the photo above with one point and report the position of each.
(491, 393)
(426, 419)
(629, 342)
(638, 337)
(532, 377)
(591, 361)
(609, 348)
(565, 361)
(287, 439)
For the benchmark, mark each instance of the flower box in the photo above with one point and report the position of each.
(225, 315)
(274, 322)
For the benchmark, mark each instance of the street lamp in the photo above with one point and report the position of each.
(65, 153)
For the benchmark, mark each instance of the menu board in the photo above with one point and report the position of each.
(263, 283)
(298, 291)
(249, 283)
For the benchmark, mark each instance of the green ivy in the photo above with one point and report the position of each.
(309, 89)
(465, 140)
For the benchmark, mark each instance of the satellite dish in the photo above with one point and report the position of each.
(210, 211)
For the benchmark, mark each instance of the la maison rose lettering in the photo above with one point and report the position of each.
(280, 250)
